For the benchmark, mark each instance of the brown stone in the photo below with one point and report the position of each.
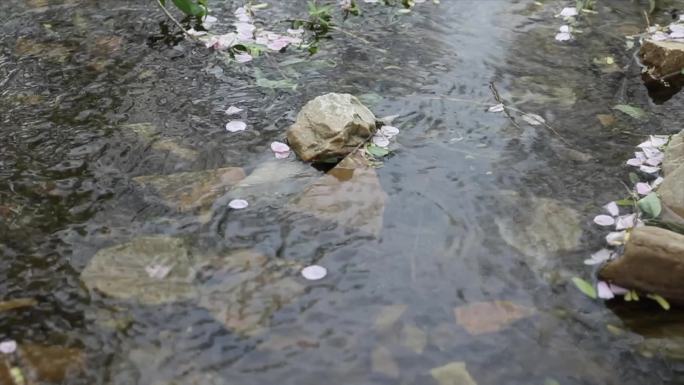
(663, 57)
(490, 317)
(51, 364)
(671, 191)
(350, 194)
(330, 126)
(606, 119)
(653, 262)
(189, 190)
(674, 153)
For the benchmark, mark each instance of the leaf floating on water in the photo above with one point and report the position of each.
(533, 119)
(238, 204)
(314, 272)
(635, 112)
(650, 205)
(585, 287)
(376, 151)
(8, 347)
(235, 126)
(661, 301)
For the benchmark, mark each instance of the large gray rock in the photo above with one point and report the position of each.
(330, 126)
(538, 227)
(674, 153)
(671, 191)
(130, 271)
(663, 57)
(653, 262)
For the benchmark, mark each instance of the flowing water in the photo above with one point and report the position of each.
(96, 97)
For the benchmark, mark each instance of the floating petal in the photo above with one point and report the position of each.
(238, 204)
(497, 108)
(314, 272)
(235, 126)
(625, 222)
(604, 291)
(389, 131)
(612, 209)
(604, 220)
(380, 141)
(232, 110)
(643, 188)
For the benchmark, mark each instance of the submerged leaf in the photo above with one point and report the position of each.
(377, 151)
(585, 287)
(635, 112)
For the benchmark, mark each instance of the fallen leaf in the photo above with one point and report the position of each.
(17, 303)
(635, 112)
(650, 205)
(585, 287)
(489, 317)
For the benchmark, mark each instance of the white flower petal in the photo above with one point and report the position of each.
(533, 119)
(8, 347)
(625, 222)
(232, 110)
(612, 209)
(497, 108)
(615, 238)
(235, 126)
(238, 204)
(569, 12)
(314, 272)
(389, 131)
(563, 36)
(604, 220)
(380, 141)
(649, 169)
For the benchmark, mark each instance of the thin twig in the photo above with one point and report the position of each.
(498, 99)
(173, 19)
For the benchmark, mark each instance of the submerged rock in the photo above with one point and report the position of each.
(674, 154)
(653, 262)
(382, 362)
(663, 57)
(538, 227)
(490, 317)
(246, 288)
(330, 126)
(150, 135)
(671, 191)
(350, 195)
(149, 270)
(454, 373)
(46, 364)
(190, 190)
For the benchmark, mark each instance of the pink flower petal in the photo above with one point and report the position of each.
(612, 209)
(649, 169)
(243, 58)
(651, 152)
(625, 222)
(604, 220)
(279, 147)
(8, 347)
(389, 131)
(643, 188)
(604, 291)
(617, 290)
(635, 162)
(282, 155)
(235, 126)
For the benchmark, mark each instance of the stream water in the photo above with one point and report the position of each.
(469, 208)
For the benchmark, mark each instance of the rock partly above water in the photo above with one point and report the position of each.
(330, 126)
(350, 195)
(131, 271)
(674, 153)
(538, 227)
(653, 262)
(663, 57)
(671, 191)
(186, 191)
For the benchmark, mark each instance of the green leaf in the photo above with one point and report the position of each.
(635, 112)
(190, 8)
(585, 287)
(376, 151)
(661, 301)
(650, 205)
(634, 178)
(625, 202)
